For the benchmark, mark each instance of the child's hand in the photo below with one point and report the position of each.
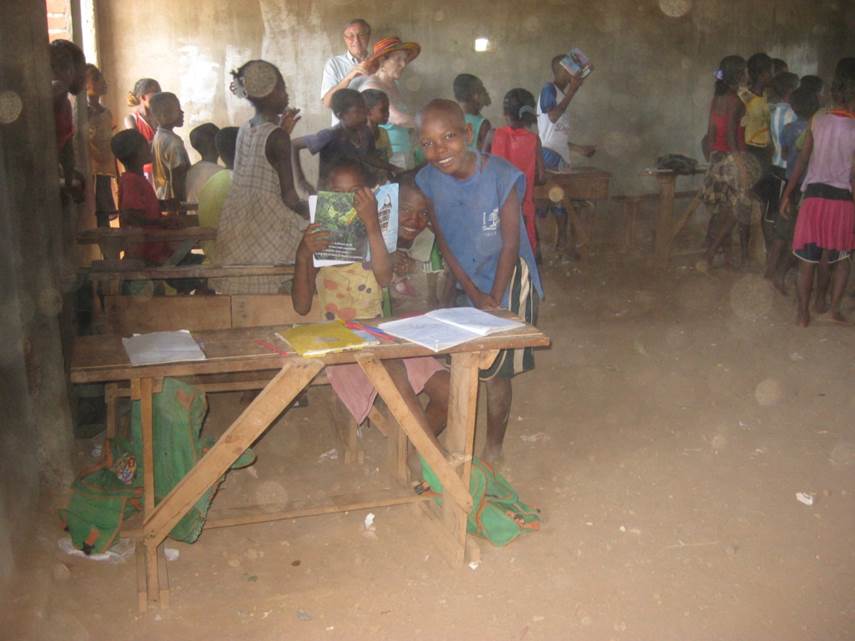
(784, 208)
(485, 301)
(315, 239)
(366, 207)
(289, 120)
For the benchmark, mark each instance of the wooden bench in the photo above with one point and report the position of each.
(112, 241)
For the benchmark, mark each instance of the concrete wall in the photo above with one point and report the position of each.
(648, 96)
(35, 427)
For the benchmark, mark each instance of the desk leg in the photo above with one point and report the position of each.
(581, 236)
(141, 390)
(460, 438)
(256, 418)
(405, 407)
(664, 224)
(111, 399)
(453, 469)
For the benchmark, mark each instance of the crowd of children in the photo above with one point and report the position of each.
(771, 142)
(467, 233)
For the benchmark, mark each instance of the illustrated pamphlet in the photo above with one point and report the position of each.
(335, 211)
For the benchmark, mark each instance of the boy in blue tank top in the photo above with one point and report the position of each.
(477, 219)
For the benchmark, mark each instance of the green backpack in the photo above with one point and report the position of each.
(498, 514)
(100, 501)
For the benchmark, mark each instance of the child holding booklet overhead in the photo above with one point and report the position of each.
(353, 291)
(477, 219)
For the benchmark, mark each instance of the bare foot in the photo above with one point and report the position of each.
(837, 317)
(803, 319)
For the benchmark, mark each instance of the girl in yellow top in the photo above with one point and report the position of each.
(758, 142)
(353, 292)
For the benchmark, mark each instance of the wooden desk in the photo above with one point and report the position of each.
(103, 359)
(577, 183)
(666, 229)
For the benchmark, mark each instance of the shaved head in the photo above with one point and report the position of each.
(448, 110)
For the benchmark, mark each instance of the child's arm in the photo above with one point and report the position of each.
(381, 262)
(179, 182)
(484, 135)
(792, 183)
(278, 153)
(509, 225)
(478, 298)
(583, 150)
(129, 122)
(736, 117)
(558, 110)
(539, 167)
(315, 239)
(298, 145)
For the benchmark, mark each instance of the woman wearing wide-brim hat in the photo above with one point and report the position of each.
(388, 61)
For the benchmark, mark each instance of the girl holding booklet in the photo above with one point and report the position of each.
(354, 291)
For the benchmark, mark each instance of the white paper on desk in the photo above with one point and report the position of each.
(445, 328)
(162, 347)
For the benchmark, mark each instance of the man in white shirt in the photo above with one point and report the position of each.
(340, 71)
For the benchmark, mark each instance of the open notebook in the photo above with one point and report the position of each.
(444, 328)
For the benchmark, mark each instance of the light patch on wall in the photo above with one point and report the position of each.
(482, 44)
(10, 107)
(675, 8)
(200, 77)
(300, 59)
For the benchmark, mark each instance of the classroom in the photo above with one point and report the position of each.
(490, 321)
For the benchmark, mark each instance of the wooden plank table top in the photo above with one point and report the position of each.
(102, 357)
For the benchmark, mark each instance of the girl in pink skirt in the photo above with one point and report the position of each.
(825, 228)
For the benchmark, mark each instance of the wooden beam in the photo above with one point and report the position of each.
(141, 390)
(664, 223)
(460, 439)
(298, 509)
(257, 417)
(124, 270)
(406, 409)
(253, 514)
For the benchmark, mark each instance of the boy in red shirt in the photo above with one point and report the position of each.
(138, 204)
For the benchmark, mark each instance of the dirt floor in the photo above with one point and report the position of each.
(664, 436)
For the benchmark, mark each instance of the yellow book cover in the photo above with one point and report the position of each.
(321, 338)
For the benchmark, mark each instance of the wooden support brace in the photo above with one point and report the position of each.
(257, 417)
(684, 217)
(405, 407)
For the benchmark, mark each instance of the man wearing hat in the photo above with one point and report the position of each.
(341, 70)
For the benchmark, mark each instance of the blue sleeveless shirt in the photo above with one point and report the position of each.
(468, 215)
